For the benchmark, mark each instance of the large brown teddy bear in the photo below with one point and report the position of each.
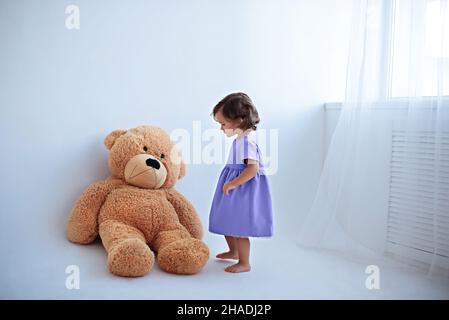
(137, 211)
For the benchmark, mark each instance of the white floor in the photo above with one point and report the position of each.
(281, 270)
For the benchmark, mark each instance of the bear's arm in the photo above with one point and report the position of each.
(82, 226)
(186, 213)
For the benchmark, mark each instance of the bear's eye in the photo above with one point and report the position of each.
(145, 149)
(162, 156)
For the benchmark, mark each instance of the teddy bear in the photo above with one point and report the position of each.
(137, 211)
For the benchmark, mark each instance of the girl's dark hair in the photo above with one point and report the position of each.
(239, 106)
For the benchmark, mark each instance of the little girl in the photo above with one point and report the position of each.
(241, 207)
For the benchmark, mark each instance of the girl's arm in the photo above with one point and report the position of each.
(247, 174)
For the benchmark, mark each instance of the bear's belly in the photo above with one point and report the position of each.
(136, 207)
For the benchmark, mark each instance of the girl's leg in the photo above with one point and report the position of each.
(243, 265)
(233, 252)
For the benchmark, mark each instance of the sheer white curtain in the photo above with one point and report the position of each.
(384, 189)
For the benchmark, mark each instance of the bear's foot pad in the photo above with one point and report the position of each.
(130, 258)
(186, 256)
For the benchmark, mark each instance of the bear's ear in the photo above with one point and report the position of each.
(110, 138)
(182, 170)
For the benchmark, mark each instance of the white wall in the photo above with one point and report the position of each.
(155, 62)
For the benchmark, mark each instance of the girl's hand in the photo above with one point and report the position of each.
(228, 186)
(247, 174)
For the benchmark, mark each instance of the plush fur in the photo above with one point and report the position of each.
(138, 218)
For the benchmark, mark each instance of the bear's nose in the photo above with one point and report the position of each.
(153, 163)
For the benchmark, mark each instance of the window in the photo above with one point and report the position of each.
(423, 37)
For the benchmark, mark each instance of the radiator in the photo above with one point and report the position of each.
(418, 201)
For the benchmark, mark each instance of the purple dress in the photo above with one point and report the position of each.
(247, 210)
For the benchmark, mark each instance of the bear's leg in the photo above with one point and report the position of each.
(178, 251)
(128, 253)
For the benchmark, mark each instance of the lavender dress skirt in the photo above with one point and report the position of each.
(247, 210)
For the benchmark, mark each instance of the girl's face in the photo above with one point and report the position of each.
(229, 127)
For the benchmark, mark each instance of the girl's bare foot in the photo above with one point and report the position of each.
(238, 267)
(228, 255)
